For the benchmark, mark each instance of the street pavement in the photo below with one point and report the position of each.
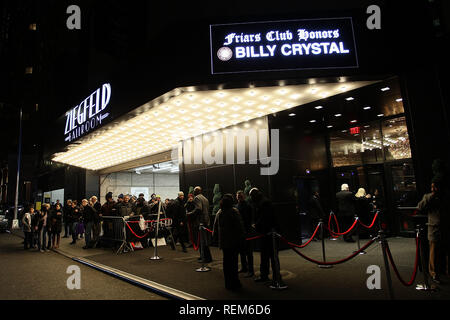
(305, 280)
(32, 275)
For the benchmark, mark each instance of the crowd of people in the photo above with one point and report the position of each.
(238, 218)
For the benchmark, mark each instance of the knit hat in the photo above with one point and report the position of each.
(120, 196)
(109, 195)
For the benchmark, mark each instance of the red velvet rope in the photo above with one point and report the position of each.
(195, 246)
(368, 244)
(344, 233)
(149, 221)
(305, 244)
(329, 225)
(371, 225)
(253, 238)
(416, 263)
(140, 237)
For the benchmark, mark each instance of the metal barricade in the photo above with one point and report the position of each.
(114, 231)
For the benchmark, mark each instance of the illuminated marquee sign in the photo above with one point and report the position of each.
(283, 45)
(88, 115)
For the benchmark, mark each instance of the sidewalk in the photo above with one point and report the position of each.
(305, 280)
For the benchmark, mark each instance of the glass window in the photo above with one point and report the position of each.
(345, 149)
(396, 139)
(404, 183)
(371, 143)
(356, 146)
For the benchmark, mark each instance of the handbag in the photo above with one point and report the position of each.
(143, 224)
(80, 228)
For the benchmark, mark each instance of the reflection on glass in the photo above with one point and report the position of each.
(404, 184)
(396, 139)
(345, 149)
(364, 145)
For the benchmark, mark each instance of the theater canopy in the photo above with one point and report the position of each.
(184, 113)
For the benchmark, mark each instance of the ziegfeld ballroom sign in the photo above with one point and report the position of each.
(88, 115)
(283, 45)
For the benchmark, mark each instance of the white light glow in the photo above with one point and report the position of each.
(187, 114)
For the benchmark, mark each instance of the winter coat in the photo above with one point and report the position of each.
(176, 212)
(89, 214)
(246, 212)
(265, 219)
(435, 207)
(229, 227)
(124, 209)
(55, 220)
(109, 209)
(75, 214)
(201, 210)
(26, 222)
(362, 208)
(345, 204)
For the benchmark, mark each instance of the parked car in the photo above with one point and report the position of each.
(3, 221)
(7, 217)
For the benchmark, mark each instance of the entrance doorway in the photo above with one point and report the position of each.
(160, 179)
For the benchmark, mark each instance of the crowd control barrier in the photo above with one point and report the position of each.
(388, 259)
(114, 231)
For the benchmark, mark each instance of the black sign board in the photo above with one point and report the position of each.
(283, 45)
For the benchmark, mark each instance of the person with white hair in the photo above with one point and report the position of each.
(345, 205)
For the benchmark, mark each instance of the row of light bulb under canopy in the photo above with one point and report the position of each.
(188, 114)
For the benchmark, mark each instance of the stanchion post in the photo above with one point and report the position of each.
(386, 263)
(203, 268)
(155, 255)
(322, 237)
(358, 236)
(331, 235)
(426, 281)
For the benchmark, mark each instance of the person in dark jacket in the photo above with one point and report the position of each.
(175, 210)
(193, 233)
(363, 208)
(66, 220)
(201, 218)
(75, 217)
(109, 208)
(96, 226)
(125, 208)
(229, 227)
(39, 232)
(89, 217)
(46, 232)
(141, 207)
(246, 252)
(56, 216)
(346, 210)
(265, 223)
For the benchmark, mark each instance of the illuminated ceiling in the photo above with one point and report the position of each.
(189, 114)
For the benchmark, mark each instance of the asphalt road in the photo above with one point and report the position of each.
(32, 275)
